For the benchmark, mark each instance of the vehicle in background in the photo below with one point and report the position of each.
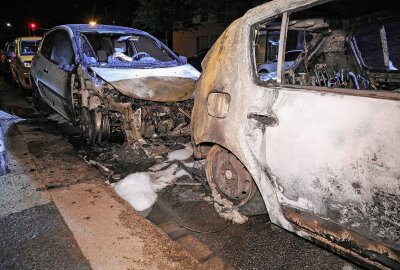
(114, 80)
(196, 59)
(25, 49)
(320, 141)
(5, 58)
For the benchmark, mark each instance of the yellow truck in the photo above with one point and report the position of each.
(25, 49)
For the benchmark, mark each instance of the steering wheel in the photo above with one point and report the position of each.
(140, 55)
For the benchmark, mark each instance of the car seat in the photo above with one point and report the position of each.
(106, 49)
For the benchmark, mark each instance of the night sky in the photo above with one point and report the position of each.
(50, 13)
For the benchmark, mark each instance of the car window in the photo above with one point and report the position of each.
(62, 52)
(114, 47)
(267, 48)
(370, 48)
(373, 42)
(47, 45)
(11, 48)
(29, 47)
(393, 41)
(331, 52)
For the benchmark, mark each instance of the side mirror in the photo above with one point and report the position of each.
(182, 60)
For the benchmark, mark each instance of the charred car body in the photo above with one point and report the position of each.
(113, 80)
(319, 140)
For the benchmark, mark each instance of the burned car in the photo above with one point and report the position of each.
(318, 140)
(113, 80)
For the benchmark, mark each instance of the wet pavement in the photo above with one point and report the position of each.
(33, 235)
(38, 238)
(180, 211)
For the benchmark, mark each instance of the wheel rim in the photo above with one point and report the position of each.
(229, 176)
(87, 126)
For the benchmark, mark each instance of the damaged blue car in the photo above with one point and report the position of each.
(113, 81)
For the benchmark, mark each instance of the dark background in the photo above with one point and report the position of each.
(154, 16)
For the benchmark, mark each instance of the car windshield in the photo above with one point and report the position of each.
(121, 49)
(29, 47)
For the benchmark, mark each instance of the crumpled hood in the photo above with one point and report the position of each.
(155, 84)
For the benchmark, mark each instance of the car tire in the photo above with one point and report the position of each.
(229, 178)
(88, 126)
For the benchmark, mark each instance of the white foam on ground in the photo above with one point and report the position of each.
(162, 179)
(137, 190)
(181, 173)
(140, 189)
(182, 154)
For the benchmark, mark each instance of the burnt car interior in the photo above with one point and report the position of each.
(353, 45)
(114, 47)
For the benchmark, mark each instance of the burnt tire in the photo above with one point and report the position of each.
(228, 177)
(88, 126)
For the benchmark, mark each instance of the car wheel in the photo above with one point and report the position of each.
(88, 126)
(227, 176)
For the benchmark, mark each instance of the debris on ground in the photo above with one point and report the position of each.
(182, 154)
(226, 209)
(56, 118)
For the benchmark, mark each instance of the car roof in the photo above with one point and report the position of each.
(103, 28)
(29, 38)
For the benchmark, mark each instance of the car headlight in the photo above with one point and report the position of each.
(27, 64)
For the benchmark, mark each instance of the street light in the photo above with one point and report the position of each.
(8, 24)
(92, 23)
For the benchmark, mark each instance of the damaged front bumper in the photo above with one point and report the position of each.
(139, 103)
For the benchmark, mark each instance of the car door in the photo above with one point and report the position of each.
(52, 67)
(333, 158)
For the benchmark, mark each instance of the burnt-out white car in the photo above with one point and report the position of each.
(319, 140)
(113, 80)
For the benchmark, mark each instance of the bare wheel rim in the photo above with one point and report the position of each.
(88, 127)
(229, 176)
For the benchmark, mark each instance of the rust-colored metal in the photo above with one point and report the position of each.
(344, 239)
(229, 176)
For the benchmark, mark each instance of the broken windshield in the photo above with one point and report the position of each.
(119, 49)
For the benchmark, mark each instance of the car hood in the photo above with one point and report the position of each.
(155, 84)
(26, 58)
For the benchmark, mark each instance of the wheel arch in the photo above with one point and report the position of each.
(261, 179)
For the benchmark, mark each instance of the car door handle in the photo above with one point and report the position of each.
(46, 70)
(265, 119)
